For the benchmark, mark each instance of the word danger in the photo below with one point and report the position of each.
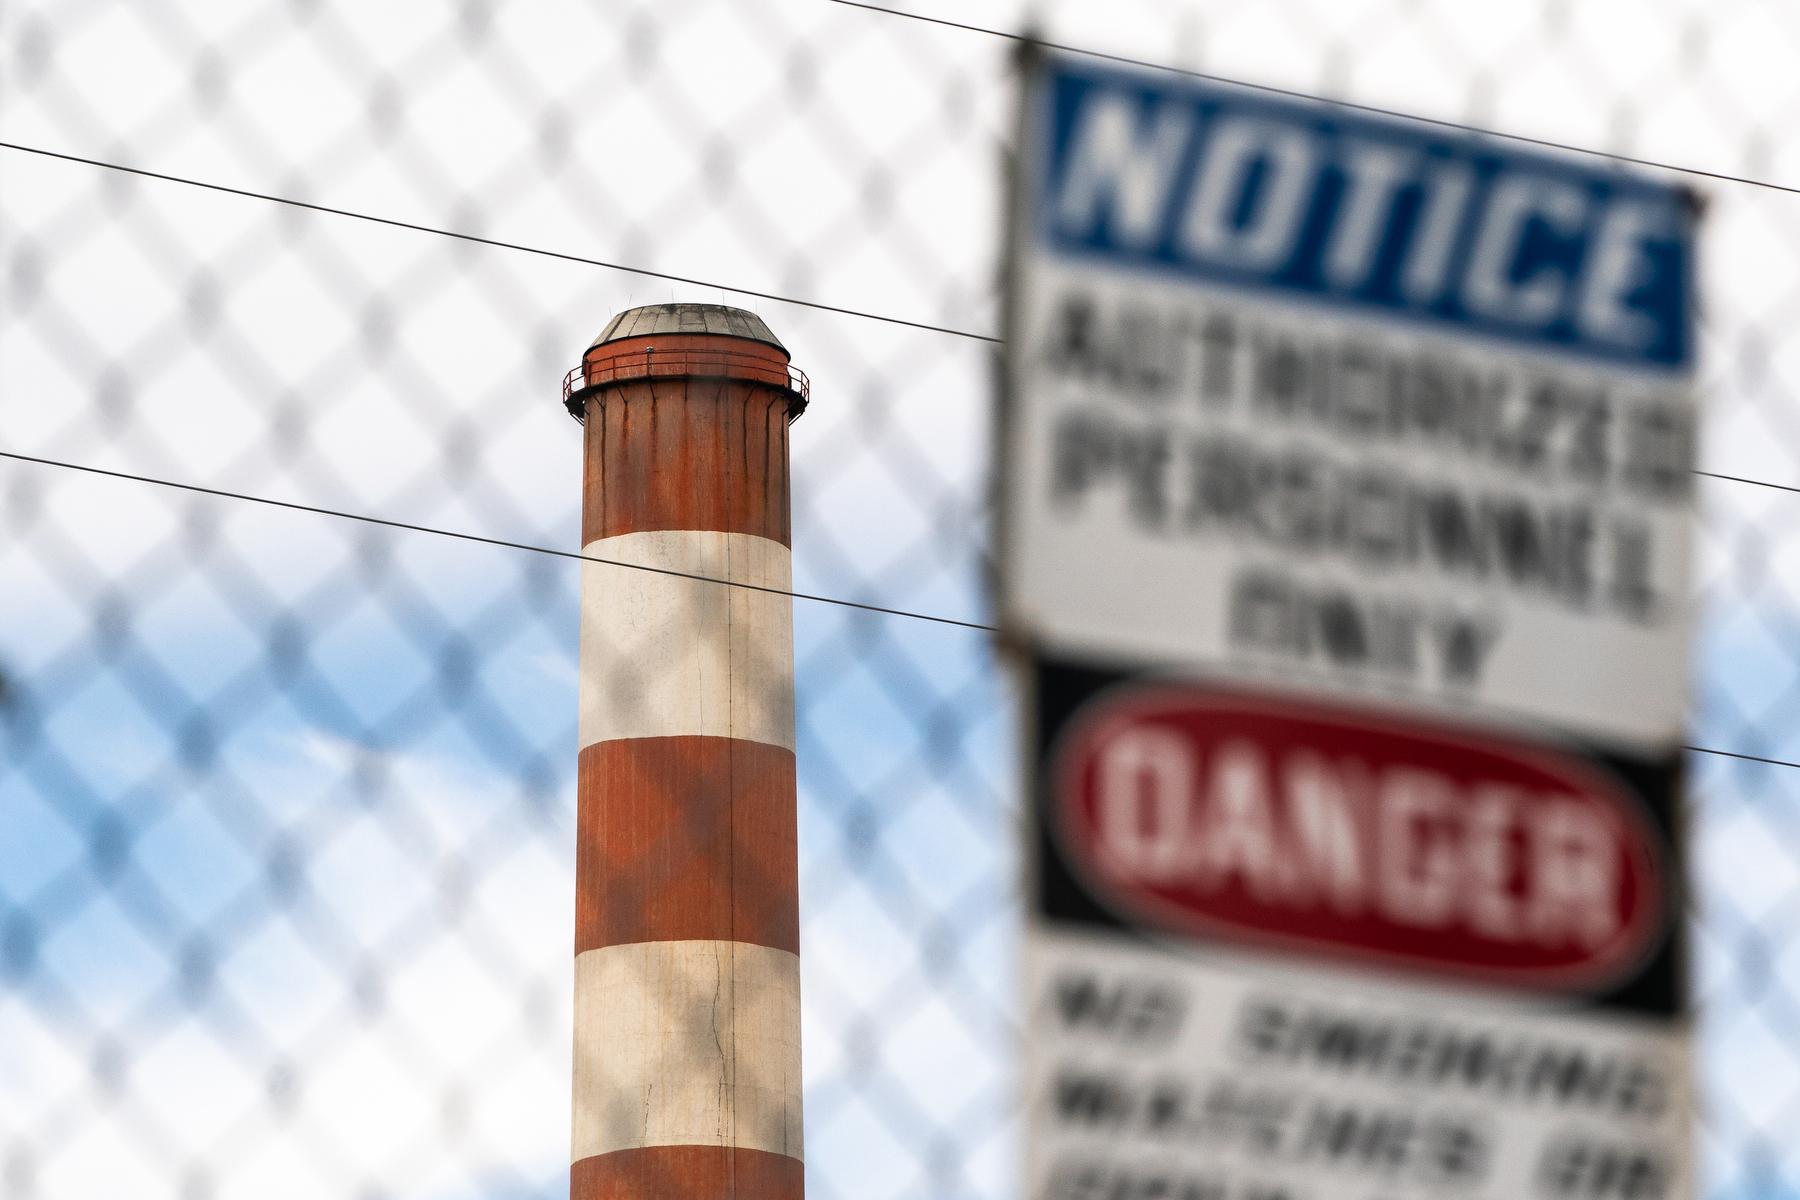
(1309, 828)
(1211, 182)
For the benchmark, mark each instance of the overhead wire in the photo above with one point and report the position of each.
(459, 535)
(1315, 98)
(531, 548)
(496, 243)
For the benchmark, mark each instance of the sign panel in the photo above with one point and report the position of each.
(1345, 510)
(1286, 948)
(1303, 396)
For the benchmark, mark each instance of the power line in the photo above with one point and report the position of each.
(540, 251)
(564, 256)
(1755, 758)
(388, 523)
(459, 535)
(503, 543)
(1780, 487)
(497, 243)
(1295, 94)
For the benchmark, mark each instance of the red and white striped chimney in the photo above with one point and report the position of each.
(687, 932)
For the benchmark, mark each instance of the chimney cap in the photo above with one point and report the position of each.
(718, 319)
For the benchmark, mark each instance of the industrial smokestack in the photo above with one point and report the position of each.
(687, 932)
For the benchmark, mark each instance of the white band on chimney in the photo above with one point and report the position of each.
(693, 1043)
(664, 656)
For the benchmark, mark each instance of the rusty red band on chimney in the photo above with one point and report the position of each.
(687, 1009)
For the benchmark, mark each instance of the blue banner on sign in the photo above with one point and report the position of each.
(1382, 216)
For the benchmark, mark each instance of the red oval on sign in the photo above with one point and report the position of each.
(1324, 831)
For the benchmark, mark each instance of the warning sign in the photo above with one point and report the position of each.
(1284, 948)
(1275, 822)
(1177, 1078)
(1345, 510)
(1306, 397)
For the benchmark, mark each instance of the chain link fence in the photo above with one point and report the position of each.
(286, 819)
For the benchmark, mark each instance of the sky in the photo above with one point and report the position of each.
(287, 801)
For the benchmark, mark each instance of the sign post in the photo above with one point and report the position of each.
(1345, 517)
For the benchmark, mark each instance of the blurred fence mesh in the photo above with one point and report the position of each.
(286, 803)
